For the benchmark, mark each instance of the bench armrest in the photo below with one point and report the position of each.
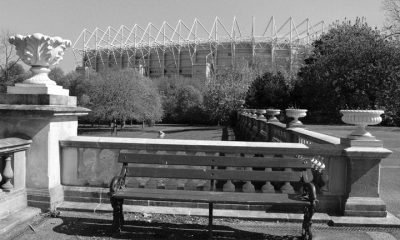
(310, 192)
(118, 182)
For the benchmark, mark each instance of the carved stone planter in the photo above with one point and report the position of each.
(253, 113)
(260, 113)
(272, 113)
(40, 52)
(295, 114)
(361, 118)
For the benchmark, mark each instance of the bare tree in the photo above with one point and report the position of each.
(8, 57)
(392, 12)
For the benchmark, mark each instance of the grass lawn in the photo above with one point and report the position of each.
(171, 132)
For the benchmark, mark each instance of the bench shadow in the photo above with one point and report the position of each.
(101, 228)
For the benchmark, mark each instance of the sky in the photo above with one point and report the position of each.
(67, 18)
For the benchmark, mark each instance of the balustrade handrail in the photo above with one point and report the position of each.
(316, 137)
(9, 145)
(311, 136)
(199, 146)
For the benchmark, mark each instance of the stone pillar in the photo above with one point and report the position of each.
(363, 180)
(364, 154)
(26, 116)
(40, 110)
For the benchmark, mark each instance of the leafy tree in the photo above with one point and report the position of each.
(182, 100)
(123, 95)
(56, 74)
(225, 90)
(9, 75)
(189, 105)
(268, 90)
(8, 57)
(392, 12)
(78, 84)
(351, 66)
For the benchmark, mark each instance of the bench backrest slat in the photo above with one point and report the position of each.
(230, 161)
(216, 174)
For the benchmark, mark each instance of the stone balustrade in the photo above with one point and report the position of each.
(351, 177)
(12, 175)
(346, 172)
(91, 162)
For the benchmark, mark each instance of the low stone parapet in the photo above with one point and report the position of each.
(13, 195)
(352, 176)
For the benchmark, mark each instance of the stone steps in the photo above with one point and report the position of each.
(17, 219)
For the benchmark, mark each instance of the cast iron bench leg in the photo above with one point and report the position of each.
(210, 220)
(309, 212)
(118, 215)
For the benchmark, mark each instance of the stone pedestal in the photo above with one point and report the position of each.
(22, 88)
(45, 119)
(363, 175)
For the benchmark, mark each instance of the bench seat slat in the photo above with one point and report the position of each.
(207, 197)
(161, 159)
(184, 173)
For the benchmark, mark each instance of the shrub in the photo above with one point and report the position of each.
(268, 91)
(182, 100)
(122, 95)
(351, 66)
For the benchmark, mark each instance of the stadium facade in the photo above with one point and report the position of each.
(193, 50)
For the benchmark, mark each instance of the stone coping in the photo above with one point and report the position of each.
(55, 110)
(315, 136)
(197, 145)
(8, 145)
(367, 152)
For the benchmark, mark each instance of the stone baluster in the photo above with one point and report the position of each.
(248, 127)
(267, 187)
(1, 178)
(229, 186)
(261, 121)
(287, 187)
(248, 187)
(253, 129)
(8, 174)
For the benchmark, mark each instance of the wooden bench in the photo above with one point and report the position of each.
(212, 169)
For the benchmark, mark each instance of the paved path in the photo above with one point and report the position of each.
(78, 225)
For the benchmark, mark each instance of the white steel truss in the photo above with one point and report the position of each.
(142, 41)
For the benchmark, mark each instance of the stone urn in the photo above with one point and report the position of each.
(40, 52)
(260, 113)
(295, 114)
(361, 118)
(253, 113)
(272, 113)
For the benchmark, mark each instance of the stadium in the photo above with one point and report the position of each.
(192, 50)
